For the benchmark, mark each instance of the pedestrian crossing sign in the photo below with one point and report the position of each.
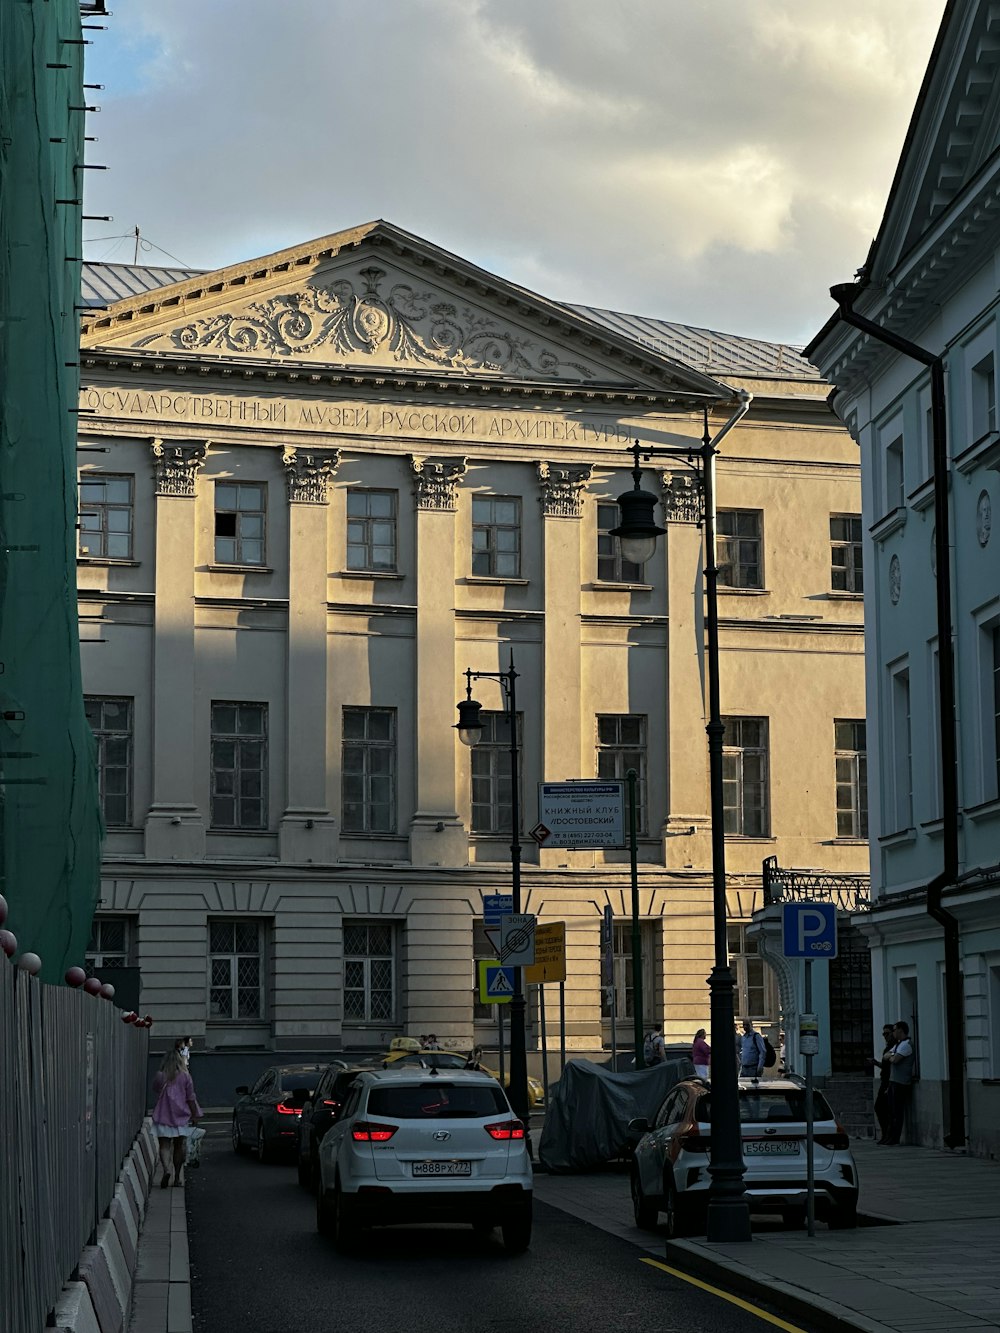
(496, 983)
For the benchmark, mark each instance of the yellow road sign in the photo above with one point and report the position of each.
(550, 953)
(496, 983)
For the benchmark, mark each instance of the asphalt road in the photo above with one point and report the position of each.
(259, 1266)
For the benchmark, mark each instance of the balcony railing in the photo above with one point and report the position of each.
(851, 893)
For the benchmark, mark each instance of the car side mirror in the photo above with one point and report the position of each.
(640, 1125)
(242, 1090)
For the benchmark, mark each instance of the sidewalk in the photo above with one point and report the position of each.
(936, 1271)
(161, 1297)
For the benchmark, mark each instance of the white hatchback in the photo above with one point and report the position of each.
(422, 1145)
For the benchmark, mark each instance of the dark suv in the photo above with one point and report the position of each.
(318, 1114)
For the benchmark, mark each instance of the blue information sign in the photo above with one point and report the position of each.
(809, 930)
(496, 905)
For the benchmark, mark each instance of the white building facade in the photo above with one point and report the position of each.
(318, 487)
(932, 278)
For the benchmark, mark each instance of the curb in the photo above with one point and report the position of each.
(745, 1280)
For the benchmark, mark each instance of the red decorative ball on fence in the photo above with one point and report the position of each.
(8, 942)
(30, 963)
(75, 976)
(107, 991)
(129, 1017)
(92, 985)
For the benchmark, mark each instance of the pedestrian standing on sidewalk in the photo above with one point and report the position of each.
(901, 1062)
(183, 1045)
(654, 1050)
(174, 1115)
(882, 1113)
(701, 1054)
(752, 1051)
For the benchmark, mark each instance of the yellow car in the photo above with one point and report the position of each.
(403, 1056)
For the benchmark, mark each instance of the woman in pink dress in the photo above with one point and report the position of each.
(174, 1115)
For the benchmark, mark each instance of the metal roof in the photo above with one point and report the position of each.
(102, 284)
(713, 353)
(716, 354)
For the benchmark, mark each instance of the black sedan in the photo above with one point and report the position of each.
(318, 1114)
(266, 1116)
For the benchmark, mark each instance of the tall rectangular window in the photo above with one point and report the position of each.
(623, 978)
(369, 770)
(105, 516)
(895, 497)
(756, 992)
(236, 969)
(852, 778)
(621, 745)
(109, 944)
(846, 574)
(111, 722)
(371, 530)
(240, 510)
(745, 777)
(612, 567)
(995, 643)
(984, 397)
(989, 707)
(901, 813)
(740, 548)
(239, 766)
(369, 972)
(496, 536)
(491, 784)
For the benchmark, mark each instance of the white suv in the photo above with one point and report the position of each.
(422, 1145)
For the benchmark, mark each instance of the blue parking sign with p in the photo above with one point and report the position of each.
(809, 930)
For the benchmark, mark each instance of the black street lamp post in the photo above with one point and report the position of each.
(728, 1210)
(470, 729)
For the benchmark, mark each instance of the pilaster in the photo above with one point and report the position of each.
(437, 836)
(307, 831)
(175, 826)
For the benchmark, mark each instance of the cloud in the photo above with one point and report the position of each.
(718, 164)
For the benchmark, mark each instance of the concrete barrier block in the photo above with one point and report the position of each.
(131, 1178)
(75, 1310)
(121, 1214)
(107, 1240)
(96, 1274)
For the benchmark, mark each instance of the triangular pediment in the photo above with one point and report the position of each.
(377, 298)
(954, 132)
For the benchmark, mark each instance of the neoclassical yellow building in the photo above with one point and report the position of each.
(315, 489)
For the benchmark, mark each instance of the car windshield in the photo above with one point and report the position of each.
(775, 1106)
(438, 1101)
(302, 1078)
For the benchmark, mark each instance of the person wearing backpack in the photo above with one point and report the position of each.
(654, 1050)
(753, 1051)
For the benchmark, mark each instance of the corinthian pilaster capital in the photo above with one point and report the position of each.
(562, 489)
(682, 499)
(308, 473)
(176, 466)
(435, 481)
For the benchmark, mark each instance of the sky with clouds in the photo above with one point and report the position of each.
(718, 164)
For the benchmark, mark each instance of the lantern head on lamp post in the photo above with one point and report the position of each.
(470, 723)
(638, 530)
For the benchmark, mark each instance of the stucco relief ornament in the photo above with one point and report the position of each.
(562, 489)
(895, 580)
(984, 518)
(176, 466)
(681, 497)
(404, 324)
(435, 481)
(308, 473)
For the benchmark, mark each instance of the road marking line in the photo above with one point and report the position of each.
(726, 1296)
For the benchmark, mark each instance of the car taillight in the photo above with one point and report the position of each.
(695, 1142)
(836, 1142)
(283, 1109)
(505, 1129)
(365, 1133)
(327, 1102)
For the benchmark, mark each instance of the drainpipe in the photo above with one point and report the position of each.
(844, 294)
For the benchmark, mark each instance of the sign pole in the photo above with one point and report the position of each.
(500, 1040)
(545, 1040)
(562, 1026)
(810, 1161)
(638, 1007)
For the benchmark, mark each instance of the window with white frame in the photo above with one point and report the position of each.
(739, 548)
(612, 567)
(369, 971)
(239, 766)
(983, 388)
(369, 770)
(900, 787)
(623, 973)
(105, 516)
(847, 569)
(110, 944)
(895, 492)
(236, 969)
(989, 707)
(371, 530)
(496, 536)
(110, 720)
(936, 794)
(240, 514)
(491, 784)
(745, 777)
(621, 745)
(851, 761)
(756, 994)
